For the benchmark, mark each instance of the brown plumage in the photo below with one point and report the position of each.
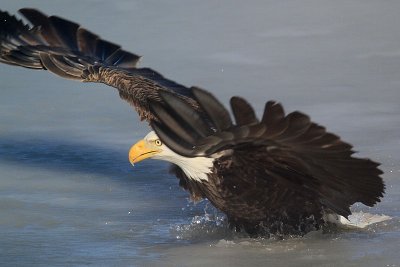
(70, 51)
(280, 174)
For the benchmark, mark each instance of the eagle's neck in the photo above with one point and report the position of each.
(196, 168)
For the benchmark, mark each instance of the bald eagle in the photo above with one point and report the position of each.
(280, 174)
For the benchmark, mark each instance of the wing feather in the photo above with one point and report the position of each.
(189, 116)
(66, 49)
(242, 111)
(66, 32)
(217, 113)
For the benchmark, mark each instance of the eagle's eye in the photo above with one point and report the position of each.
(158, 142)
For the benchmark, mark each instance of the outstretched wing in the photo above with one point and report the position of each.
(70, 51)
(292, 149)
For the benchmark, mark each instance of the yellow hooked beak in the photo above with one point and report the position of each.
(140, 151)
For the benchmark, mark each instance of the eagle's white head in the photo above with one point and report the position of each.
(151, 146)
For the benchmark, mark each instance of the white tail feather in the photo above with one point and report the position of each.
(356, 219)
